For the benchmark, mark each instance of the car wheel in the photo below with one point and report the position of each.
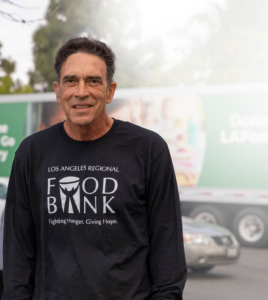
(209, 214)
(251, 228)
(201, 269)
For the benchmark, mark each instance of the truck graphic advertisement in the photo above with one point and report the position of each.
(12, 123)
(217, 137)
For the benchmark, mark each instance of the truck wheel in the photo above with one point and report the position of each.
(251, 228)
(201, 269)
(209, 214)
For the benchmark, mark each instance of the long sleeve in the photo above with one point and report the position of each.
(167, 264)
(19, 238)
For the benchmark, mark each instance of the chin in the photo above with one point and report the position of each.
(82, 121)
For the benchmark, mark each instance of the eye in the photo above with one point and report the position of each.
(70, 82)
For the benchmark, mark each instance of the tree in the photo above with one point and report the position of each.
(7, 86)
(13, 16)
(7, 66)
(235, 49)
(115, 22)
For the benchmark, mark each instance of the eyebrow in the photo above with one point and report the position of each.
(70, 77)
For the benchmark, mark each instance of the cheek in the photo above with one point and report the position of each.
(65, 102)
(65, 108)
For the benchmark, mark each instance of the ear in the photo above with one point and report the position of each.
(56, 90)
(110, 94)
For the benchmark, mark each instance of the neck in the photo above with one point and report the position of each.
(87, 132)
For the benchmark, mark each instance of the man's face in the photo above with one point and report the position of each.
(83, 90)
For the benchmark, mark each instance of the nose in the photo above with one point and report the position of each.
(82, 90)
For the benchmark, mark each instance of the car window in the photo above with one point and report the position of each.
(3, 191)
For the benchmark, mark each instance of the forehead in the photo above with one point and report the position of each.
(83, 64)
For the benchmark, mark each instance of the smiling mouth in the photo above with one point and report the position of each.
(82, 106)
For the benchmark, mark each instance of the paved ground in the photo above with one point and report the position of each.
(246, 280)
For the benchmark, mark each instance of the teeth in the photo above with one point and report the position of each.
(85, 106)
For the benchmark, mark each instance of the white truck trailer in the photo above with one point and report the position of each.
(217, 136)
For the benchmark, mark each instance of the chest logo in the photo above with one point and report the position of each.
(80, 197)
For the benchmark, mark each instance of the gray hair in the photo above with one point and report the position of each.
(86, 45)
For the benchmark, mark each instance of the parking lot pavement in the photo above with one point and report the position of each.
(246, 280)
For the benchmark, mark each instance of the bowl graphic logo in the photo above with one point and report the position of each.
(70, 194)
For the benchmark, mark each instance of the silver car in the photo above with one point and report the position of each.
(208, 245)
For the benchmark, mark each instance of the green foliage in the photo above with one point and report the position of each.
(114, 22)
(26, 89)
(8, 66)
(7, 86)
(19, 88)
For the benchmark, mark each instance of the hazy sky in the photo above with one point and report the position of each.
(157, 16)
(17, 38)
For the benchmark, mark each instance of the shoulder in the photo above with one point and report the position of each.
(36, 141)
(142, 137)
(135, 131)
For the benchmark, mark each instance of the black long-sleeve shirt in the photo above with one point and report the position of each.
(93, 219)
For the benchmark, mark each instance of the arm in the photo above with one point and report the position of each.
(19, 238)
(167, 264)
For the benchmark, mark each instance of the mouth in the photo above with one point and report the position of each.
(84, 106)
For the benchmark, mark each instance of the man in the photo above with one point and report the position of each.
(92, 210)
